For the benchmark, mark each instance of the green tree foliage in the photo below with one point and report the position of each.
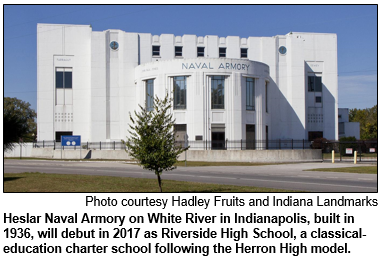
(152, 139)
(19, 122)
(368, 119)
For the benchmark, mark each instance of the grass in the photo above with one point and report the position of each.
(52, 183)
(359, 169)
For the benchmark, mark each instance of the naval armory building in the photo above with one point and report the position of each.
(223, 88)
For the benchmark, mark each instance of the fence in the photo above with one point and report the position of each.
(344, 150)
(196, 145)
(248, 144)
(84, 145)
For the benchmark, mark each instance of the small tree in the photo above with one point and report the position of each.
(19, 122)
(152, 140)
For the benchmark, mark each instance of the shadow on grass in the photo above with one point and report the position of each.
(6, 179)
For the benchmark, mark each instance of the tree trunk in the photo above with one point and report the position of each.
(159, 181)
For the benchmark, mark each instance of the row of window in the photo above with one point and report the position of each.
(217, 93)
(200, 52)
(64, 81)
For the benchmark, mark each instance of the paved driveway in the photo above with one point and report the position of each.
(283, 176)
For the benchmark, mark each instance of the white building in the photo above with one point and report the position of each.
(262, 88)
(346, 128)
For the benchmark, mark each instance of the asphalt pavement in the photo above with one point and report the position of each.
(280, 176)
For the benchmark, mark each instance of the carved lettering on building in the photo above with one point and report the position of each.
(197, 66)
(233, 66)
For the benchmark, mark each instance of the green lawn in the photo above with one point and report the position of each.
(358, 169)
(41, 182)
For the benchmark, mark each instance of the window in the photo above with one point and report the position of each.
(64, 84)
(156, 51)
(59, 79)
(318, 100)
(217, 92)
(63, 78)
(266, 96)
(178, 51)
(250, 94)
(200, 51)
(180, 93)
(222, 52)
(150, 95)
(244, 53)
(314, 84)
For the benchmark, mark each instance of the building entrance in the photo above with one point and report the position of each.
(218, 141)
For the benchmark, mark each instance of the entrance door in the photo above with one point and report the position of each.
(218, 141)
(250, 136)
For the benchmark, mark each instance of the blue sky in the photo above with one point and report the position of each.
(355, 26)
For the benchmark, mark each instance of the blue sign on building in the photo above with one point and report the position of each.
(73, 140)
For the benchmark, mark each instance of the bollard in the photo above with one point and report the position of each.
(355, 157)
(332, 156)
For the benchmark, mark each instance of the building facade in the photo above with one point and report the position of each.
(223, 88)
(346, 128)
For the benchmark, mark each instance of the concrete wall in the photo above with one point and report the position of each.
(42, 153)
(25, 151)
(194, 155)
(254, 156)
(109, 154)
(49, 153)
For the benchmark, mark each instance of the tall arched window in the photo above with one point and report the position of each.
(217, 92)
(180, 93)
